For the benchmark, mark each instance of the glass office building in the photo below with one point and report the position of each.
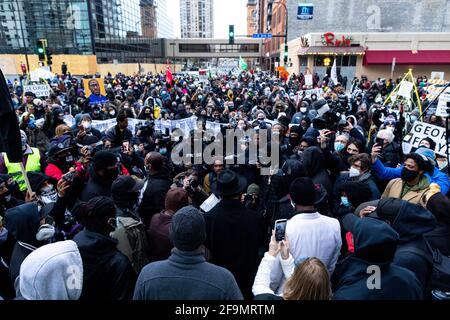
(111, 29)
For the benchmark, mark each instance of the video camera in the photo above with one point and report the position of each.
(328, 117)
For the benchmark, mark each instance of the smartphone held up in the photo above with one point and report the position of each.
(280, 229)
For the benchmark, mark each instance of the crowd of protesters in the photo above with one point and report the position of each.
(111, 216)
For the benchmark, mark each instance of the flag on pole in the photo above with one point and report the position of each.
(10, 141)
(242, 64)
(169, 77)
(334, 73)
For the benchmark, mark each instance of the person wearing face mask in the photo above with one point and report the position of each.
(7, 200)
(304, 112)
(107, 273)
(413, 185)
(35, 134)
(52, 120)
(360, 168)
(435, 176)
(84, 128)
(130, 231)
(33, 161)
(103, 170)
(151, 198)
(97, 114)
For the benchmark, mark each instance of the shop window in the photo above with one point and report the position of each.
(352, 61)
(345, 61)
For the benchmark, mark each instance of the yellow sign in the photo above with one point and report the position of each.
(94, 86)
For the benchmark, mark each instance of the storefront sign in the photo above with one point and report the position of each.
(329, 39)
(422, 130)
(305, 11)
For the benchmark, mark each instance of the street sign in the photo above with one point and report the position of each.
(262, 35)
(305, 11)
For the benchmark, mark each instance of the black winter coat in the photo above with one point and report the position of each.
(107, 273)
(153, 200)
(234, 238)
(95, 187)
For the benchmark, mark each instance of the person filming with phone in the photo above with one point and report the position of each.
(310, 234)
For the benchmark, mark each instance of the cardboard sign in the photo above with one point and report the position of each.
(40, 90)
(422, 130)
(308, 79)
(405, 89)
(437, 75)
(441, 110)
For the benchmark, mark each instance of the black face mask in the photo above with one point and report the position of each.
(294, 141)
(5, 197)
(408, 175)
(13, 187)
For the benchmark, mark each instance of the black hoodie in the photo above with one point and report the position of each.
(375, 244)
(22, 223)
(313, 160)
(411, 222)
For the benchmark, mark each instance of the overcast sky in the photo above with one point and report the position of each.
(226, 12)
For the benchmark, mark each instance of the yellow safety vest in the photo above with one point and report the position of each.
(156, 112)
(33, 164)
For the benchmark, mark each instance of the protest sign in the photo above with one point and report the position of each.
(422, 130)
(441, 110)
(405, 89)
(308, 79)
(94, 86)
(40, 90)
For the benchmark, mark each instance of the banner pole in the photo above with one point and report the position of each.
(27, 182)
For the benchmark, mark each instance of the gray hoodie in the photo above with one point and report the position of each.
(52, 272)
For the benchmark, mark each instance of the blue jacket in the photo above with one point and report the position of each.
(384, 173)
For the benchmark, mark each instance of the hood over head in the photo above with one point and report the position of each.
(52, 272)
(375, 241)
(409, 220)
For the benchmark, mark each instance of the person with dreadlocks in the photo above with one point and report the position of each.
(107, 273)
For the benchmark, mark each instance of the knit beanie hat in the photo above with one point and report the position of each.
(104, 159)
(188, 231)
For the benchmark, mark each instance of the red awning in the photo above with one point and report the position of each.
(407, 57)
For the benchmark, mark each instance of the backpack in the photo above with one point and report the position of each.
(439, 277)
(133, 242)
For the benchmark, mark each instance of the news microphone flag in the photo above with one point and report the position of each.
(10, 141)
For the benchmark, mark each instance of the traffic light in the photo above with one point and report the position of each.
(286, 54)
(231, 34)
(41, 49)
(269, 14)
(49, 56)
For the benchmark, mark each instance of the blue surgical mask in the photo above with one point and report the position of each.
(345, 202)
(163, 151)
(339, 146)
